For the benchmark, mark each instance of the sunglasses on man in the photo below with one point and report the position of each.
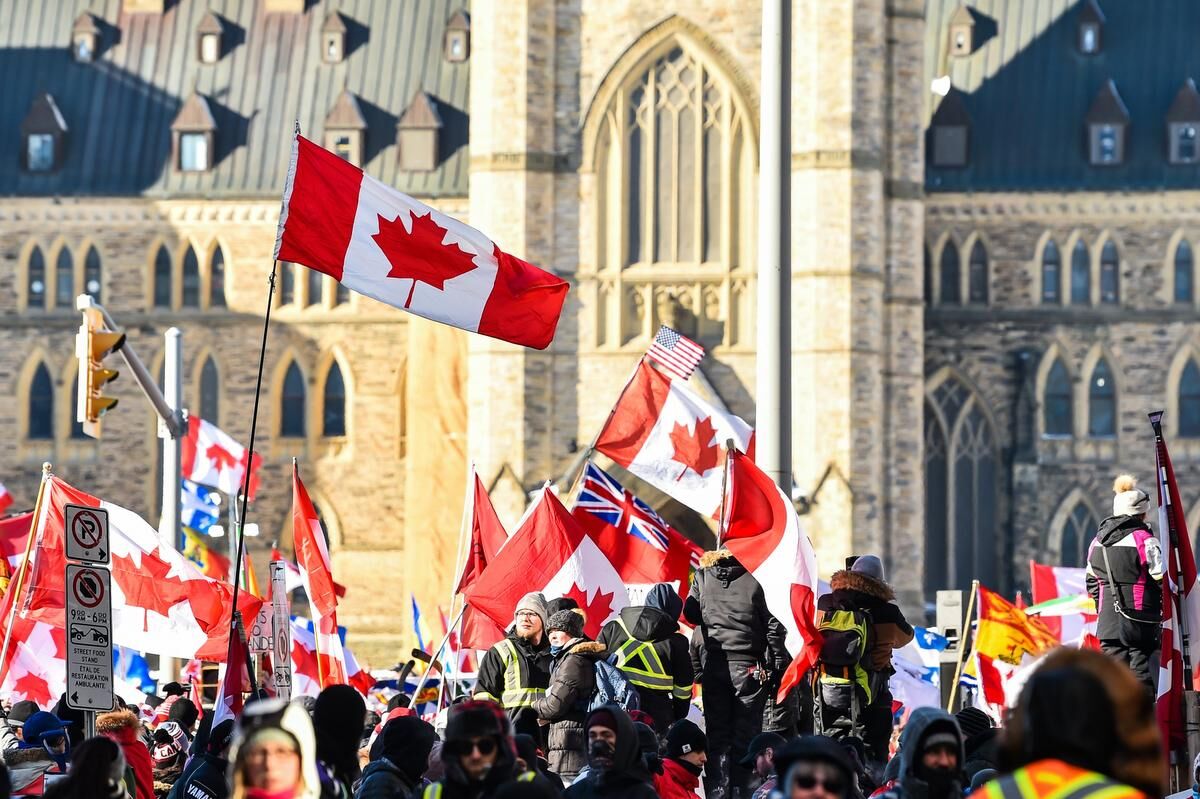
(464, 748)
(808, 781)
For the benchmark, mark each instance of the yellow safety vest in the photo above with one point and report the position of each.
(641, 665)
(516, 694)
(434, 791)
(1054, 779)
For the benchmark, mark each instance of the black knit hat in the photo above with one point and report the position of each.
(184, 711)
(972, 721)
(567, 621)
(561, 603)
(684, 737)
(477, 718)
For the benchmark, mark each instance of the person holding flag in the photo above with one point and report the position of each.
(1124, 571)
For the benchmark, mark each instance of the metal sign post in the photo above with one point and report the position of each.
(281, 657)
(89, 638)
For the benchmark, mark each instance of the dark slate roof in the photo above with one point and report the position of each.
(1027, 90)
(119, 109)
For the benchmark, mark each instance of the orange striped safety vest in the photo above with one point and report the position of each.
(1054, 779)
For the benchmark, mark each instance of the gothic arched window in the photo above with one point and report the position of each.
(1102, 401)
(1189, 400)
(977, 275)
(92, 283)
(292, 403)
(1056, 401)
(1076, 535)
(1051, 274)
(35, 281)
(162, 278)
(210, 392)
(333, 420)
(1184, 274)
(64, 279)
(216, 279)
(41, 405)
(1110, 274)
(951, 293)
(1081, 274)
(191, 279)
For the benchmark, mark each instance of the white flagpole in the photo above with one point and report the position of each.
(464, 532)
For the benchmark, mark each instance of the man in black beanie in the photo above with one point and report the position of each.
(338, 717)
(616, 767)
(687, 752)
(407, 742)
(185, 714)
(478, 753)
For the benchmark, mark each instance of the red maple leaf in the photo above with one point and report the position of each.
(149, 587)
(421, 255)
(222, 458)
(696, 450)
(34, 688)
(59, 636)
(596, 611)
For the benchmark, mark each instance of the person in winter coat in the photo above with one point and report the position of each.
(615, 764)
(814, 767)
(123, 727)
(1124, 571)
(687, 752)
(168, 755)
(1081, 728)
(931, 757)
(338, 718)
(478, 753)
(274, 753)
(44, 751)
(572, 682)
(862, 588)
(205, 775)
(516, 672)
(404, 757)
(97, 772)
(743, 653)
(981, 742)
(653, 654)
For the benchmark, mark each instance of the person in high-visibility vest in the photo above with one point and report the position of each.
(1083, 728)
(516, 671)
(653, 655)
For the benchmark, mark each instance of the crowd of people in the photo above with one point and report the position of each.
(554, 713)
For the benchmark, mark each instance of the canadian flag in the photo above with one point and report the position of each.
(14, 535)
(552, 554)
(161, 602)
(763, 533)
(211, 457)
(390, 247)
(1051, 582)
(312, 556)
(488, 535)
(6, 499)
(235, 682)
(663, 432)
(305, 678)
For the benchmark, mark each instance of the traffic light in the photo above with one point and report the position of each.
(92, 346)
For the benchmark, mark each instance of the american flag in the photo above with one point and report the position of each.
(604, 497)
(676, 353)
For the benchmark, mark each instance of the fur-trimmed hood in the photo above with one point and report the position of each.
(846, 580)
(715, 556)
(118, 720)
(594, 648)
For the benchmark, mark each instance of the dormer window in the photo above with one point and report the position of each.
(333, 39)
(44, 132)
(418, 131)
(1107, 122)
(457, 42)
(194, 131)
(345, 127)
(208, 39)
(962, 32)
(85, 38)
(1091, 26)
(949, 132)
(1183, 123)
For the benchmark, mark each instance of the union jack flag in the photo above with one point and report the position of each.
(603, 496)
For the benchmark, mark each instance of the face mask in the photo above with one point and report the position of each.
(601, 753)
(555, 649)
(941, 781)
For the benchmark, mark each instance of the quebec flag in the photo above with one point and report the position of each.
(201, 507)
(916, 682)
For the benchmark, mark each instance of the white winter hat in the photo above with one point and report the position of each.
(1129, 500)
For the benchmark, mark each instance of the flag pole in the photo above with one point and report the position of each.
(1160, 446)
(16, 597)
(721, 520)
(591, 448)
(460, 560)
(436, 658)
(962, 637)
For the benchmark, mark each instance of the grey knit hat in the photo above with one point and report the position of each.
(869, 565)
(568, 621)
(535, 603)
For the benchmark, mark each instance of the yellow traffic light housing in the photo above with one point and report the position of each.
(92, 346)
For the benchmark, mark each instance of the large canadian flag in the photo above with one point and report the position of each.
(552, 554)
(386, 245)
(210, 456)
(316, 571)
(161, 602)
(670, 437)
(764, 534)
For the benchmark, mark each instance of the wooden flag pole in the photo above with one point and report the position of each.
(16, 596)
(721, 520)
(591, 448)
(435, 658)
(962, 638)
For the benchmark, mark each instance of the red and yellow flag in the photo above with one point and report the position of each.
(1006, 633)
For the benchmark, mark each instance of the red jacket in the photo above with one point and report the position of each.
(123, 727)
(676, 782)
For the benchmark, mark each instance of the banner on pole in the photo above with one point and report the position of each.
(281, 654)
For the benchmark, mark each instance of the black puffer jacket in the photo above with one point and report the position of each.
(727, 603)
(628, 778)
(657, 622)
(202, 778)
(381, 779)
(565, 706)
(1137, 565)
